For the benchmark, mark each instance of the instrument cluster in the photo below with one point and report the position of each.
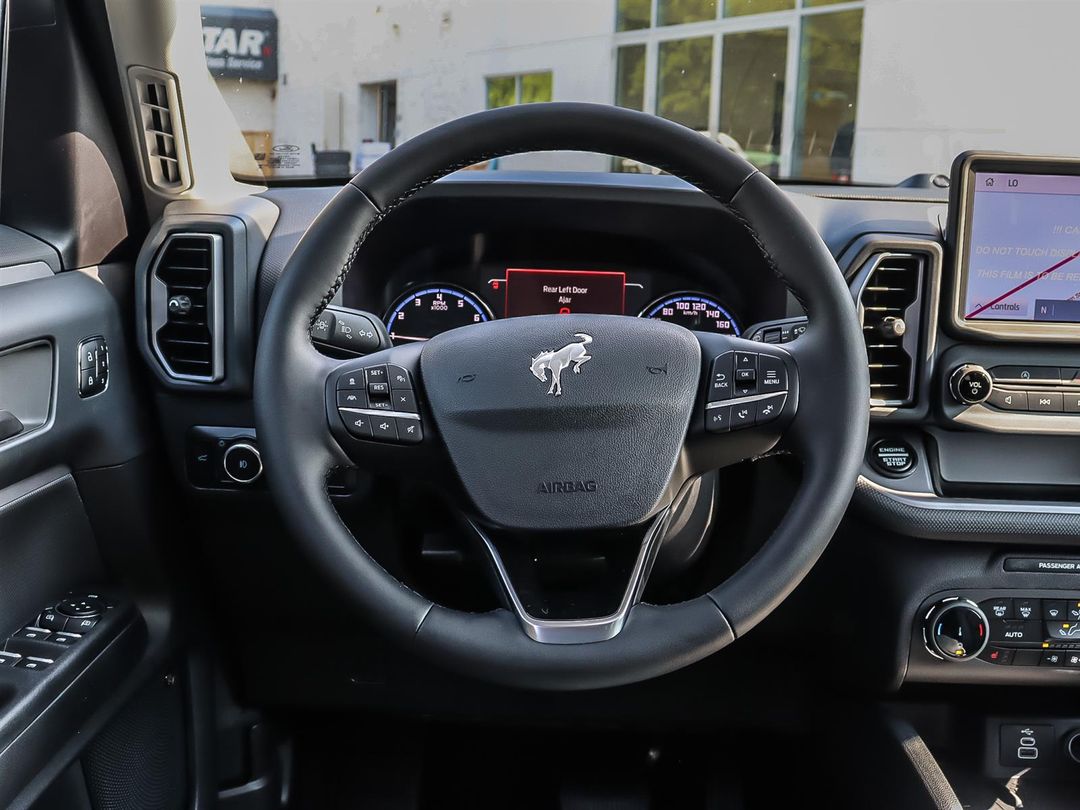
(423, 310)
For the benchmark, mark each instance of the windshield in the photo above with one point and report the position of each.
(815, 90)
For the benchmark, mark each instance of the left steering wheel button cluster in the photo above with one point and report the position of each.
(377, 402)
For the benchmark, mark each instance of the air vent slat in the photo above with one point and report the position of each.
(889, 298)
(187, 336)
(156, 96)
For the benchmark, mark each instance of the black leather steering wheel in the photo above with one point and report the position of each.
(636, 419)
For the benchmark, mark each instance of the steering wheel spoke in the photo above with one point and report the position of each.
(615, 579)
(750, 395)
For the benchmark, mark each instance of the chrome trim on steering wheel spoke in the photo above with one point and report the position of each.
(583, 631)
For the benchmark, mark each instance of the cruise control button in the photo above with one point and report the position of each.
(378, 389)
(399, 377)
(382, 404)
(358, 424)
(1008, 400)
(402, 400)
(721, 382)
(385, 428)
(718, 420)
(1050, 401)
(377, 374)
(772, 375)
(354, 380)
(1053, 610)
(409, 431)
(768, 409)
(352, 398)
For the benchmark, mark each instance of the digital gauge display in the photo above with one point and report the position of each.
(695, 311)
(424, 312)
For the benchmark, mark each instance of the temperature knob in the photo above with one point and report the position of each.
(971, 384)
(956, 630)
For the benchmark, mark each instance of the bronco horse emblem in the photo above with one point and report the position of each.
(570, 354)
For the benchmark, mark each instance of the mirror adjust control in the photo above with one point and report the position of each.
(79, 607)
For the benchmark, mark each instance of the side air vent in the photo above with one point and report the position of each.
(186, 317)
(161, 125)
(889, 301)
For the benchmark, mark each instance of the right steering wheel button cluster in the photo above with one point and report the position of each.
(377, 402)
(745, 389)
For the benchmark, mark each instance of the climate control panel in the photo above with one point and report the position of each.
(975, 632)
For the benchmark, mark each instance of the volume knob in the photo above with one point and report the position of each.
(971, 384)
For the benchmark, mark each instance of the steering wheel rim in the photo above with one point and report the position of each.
(828, 429)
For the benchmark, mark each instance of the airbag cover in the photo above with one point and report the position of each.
(597, 448)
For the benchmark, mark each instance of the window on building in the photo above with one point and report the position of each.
(739, 8)
(522, 88)
(630, 77)
(674, 12)
(684, 81)
(752, 94)
(631, 15)
(378, 112)
(828, 92)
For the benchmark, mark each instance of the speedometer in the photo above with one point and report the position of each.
(696, 311)
(424, 312)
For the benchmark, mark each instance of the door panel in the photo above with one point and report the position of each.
(82, 495)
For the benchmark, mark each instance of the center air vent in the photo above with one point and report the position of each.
(186, 307)
(889, 307)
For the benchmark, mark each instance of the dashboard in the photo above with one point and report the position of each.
(970, 479)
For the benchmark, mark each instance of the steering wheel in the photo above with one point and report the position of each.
(562, 425)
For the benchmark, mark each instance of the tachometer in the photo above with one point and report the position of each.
(696, 311)
(424, 312)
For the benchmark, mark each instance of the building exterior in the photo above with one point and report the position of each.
(818, 89)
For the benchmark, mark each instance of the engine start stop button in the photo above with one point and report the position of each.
(894, 457)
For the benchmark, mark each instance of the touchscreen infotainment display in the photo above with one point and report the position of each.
(561, 292)
(1023, 248)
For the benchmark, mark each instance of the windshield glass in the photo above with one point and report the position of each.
(872, 91)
